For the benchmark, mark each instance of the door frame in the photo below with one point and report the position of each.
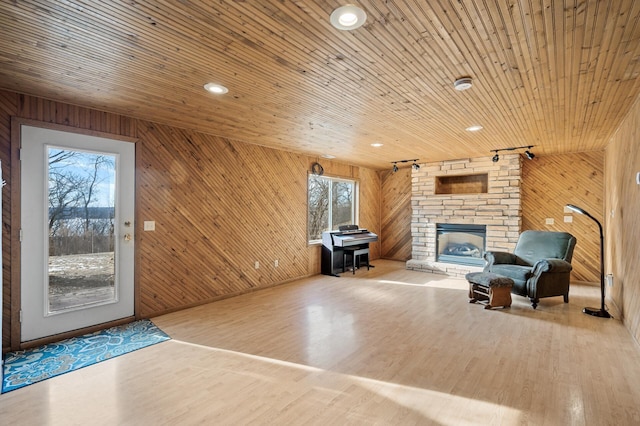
(16, 260)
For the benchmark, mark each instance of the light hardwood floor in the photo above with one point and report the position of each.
(386, 346)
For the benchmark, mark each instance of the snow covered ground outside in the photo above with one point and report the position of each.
(80, 279)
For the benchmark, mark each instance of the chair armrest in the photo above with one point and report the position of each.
(499, 257)
(551, 265)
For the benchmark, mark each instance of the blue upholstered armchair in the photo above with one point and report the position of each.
(540, 265)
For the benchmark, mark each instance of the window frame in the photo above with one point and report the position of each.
(332, 179)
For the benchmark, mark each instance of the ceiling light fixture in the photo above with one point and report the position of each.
(463, 83)
(329, 156)
(530, 155)
(474, 128)
(376, 145)
(348, 17)
(218, 89)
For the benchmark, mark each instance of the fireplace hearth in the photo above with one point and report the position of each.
(461, 244)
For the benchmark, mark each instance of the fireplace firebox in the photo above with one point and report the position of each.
(462, 244)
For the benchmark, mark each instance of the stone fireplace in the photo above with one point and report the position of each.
(475, 192)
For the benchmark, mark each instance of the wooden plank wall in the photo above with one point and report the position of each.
(622, 202)
(396, 214)
(8, 107)
(551, 181)
(219, 205)
(370, 211)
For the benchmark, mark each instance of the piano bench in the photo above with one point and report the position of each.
(355, 252)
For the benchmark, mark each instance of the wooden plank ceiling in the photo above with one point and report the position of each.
(559, 75)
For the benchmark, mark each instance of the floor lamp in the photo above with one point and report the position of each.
(602, 312)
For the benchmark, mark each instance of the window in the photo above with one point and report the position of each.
(332, 202)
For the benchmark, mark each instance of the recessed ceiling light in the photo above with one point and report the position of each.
(215, 88)
(463, 83)
(474, 128)
(348, 17)
(377, 144)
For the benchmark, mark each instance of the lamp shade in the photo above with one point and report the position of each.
(576, 209)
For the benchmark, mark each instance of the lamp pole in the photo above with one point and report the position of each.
(602, 312)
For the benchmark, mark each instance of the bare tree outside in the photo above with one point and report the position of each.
(63, 188)
(318, 206)
(81, 228)
(331, 203)
(342, 200)
(90, 191)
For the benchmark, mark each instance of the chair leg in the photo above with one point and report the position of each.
(534, 302)
(566, 298)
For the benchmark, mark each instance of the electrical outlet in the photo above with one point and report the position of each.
(275, 263)
(609, 279)
(568, 219)
(549, 221)
(257, 265)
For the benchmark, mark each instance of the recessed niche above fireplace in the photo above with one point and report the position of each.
(462, 244)
(462, 184)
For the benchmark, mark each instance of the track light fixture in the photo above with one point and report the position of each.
(530, 155)
(415, 165)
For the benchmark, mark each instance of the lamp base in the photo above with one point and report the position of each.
(596, 312)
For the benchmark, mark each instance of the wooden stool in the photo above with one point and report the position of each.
(491, 289)
(355, 252)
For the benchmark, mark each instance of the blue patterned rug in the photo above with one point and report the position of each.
(26, 367)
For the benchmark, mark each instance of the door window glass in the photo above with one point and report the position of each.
(81, 215)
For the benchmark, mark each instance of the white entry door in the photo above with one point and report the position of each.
(77, 249)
